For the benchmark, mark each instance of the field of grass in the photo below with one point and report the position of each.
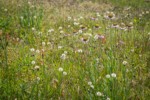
(74, 50)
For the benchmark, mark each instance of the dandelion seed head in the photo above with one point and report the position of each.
(64, 73)
(60, 69)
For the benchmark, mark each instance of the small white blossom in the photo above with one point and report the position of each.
(33, 62)
(51, 30)
(65, 73)
(21, 17)
(92, 86)
(60, 69)
(76, 23)
(113, 75)
(32, 49)
(37, 67)
(43, 43)
(33, 29)
(107, 76)
(69, 18)
(107, 98)
(59, 47)
(79, 51)
(5, 10)
(35, 17)
(48, 43)
(63, 56)
(99, 94)
(38, 78)
(80, 31)
(124, 62)
(60, 28)
(90, 83)
(37, 51)
(62, 32)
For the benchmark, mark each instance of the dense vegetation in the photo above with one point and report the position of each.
(74, 50)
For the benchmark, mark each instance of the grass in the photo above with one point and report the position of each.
(74, 50)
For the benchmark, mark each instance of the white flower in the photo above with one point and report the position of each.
(38, 78)
(76, 23)
(59, 47)
(62, 32)
(5, 10)
(33, 29)
(60, 69)
(96, 36)
(92, 86)
(37, 67)
(34, 17)
(113, 75)
(43, 43)
(79, 51)
(65, 73)
(60, 28)
(21, 17)
(80, 31)
(32, 49)
(63, 56)
(69, 26)
(69, 18)
(108, 98)
(75, 19)
(99, 94)
(51, 30)
(107, 76)
(65, 52)
(124, 62)
(90, 83)
(48, 43)
(37, 51)
(33, 62)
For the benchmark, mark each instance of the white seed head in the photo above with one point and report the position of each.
(32, 49)
(33, 62)
(37, 51)
(99, 94)
(60, 69)
(113, 75)
(37, 67)
(124, 62)
(90, 83)
(107, 76)
(65, 73)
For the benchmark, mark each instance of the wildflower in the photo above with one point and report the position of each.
(69, 18)
(65, 52)
(59, 47)
(60, 69)
(51, 30)
(92, 86)
(38, 78)
(76, 23)
(107, 76)
(60, 28)
(124, 63)
(63, 56)
(113, 75)
(90, 83)
(5, 10)
(36, 67)
(33, 29)
(32, 49)
(65, 73)
(48, 43)
(79, 51)
(69, 26)
(35, 17)
(33, 62)
(147, 12)
(37, 51)
(99, 94)
(21, 17)
(80, 31)
(61, 31)
(107, 98)
(109, 15)
(43, 43)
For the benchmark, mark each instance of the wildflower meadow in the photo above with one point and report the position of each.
(74, 50)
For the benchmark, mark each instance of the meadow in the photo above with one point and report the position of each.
(74, 50)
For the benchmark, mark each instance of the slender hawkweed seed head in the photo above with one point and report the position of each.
(92, 86)
(60, 69)
(76, 23)
(107, 98)
(89, 83)
(64, 73)
(98, 93)
(33, 29)
(107, 76)
(69, 18)
(60, 47)
(60, 28)
(113, 75)
(32, 49)
(63, 56)
(124, 63)
(33, 62)
(43, 43)
(38, 78)
(36, 67)
(37, 51)
(80, 31)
